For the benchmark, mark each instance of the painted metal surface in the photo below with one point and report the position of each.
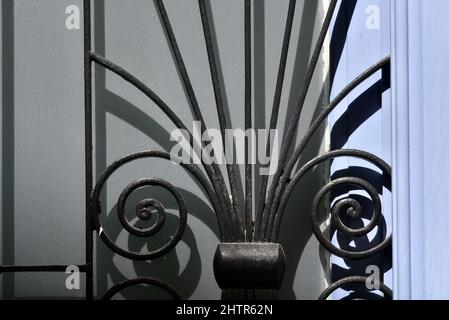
(249, 265)
(253, 225)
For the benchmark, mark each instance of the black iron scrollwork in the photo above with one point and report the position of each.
(146, 281)
(144, 209)
(236, 225)
(388, 294)
(249, 233)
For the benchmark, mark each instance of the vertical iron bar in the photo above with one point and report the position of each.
(248, 122)
(382, 64)
(275, 109)
(88, 145)
(237, 225)
(218, 100)
(8, 245)
(267, 218)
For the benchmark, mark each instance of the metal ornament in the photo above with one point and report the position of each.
(249, 263)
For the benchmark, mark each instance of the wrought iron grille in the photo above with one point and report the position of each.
(249, 237)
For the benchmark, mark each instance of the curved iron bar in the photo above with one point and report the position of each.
(174, 239)
(236, 220)
(148, 281)
(96, 205)
(284, 179)
(388, 294)
(227, 231)
(311, 164)
(260, 234)
(234, 225)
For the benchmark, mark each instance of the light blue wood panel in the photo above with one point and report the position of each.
(361, 37)
(420, 148)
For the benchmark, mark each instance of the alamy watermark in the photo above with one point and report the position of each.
(373, 279)
(211, 147)
(72, 282)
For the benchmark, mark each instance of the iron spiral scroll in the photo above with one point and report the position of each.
(252, 233)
